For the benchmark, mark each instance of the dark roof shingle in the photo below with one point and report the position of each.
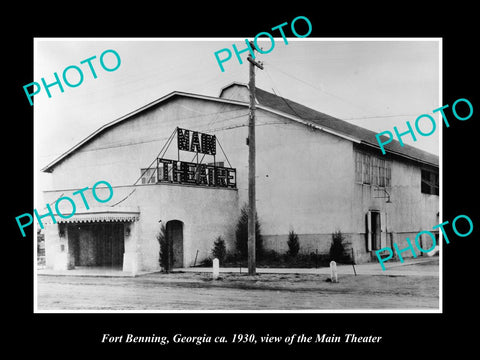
(364, 135)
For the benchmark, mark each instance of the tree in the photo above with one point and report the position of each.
(166, 251)
(337, 248)
(241, 235)
(219, 250)
(293, 244)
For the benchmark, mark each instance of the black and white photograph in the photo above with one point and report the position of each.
(149, 182)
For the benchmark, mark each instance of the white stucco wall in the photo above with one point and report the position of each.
(293, 161)
(206, 213)
(409, 212)
(118, 154)
(305, 179)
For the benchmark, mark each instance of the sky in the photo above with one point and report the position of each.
(373, 83)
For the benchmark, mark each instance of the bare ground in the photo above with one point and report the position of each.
(193, 291)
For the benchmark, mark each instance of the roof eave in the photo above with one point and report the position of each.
(392, 152)
(308, 123)
(50, 167)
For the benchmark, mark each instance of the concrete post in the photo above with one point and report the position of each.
(131, 255)
(61, 253)
(333, 272)
(216, 269)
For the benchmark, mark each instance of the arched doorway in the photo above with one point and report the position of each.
(174, 233)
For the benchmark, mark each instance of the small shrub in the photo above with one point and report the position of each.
(293, 244)
(272, 258)
(337, 249)
(241, 235)
(219, 250)
(206, 263)
(166, 251)
(233, 259)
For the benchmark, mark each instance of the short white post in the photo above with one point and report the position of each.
(333, 271)
(216, 269)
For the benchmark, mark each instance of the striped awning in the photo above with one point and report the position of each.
(102, 215)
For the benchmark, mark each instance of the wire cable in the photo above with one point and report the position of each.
(172, 135)
(321, 90)
(280, 96)
(169, 140)
(223, 151)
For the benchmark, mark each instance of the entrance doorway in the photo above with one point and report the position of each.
(97, 244)
(374, 230)
(174, 233)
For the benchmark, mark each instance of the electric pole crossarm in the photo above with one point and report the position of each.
(257, 64)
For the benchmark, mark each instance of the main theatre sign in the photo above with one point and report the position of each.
(197, 172)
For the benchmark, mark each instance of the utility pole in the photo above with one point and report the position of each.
(251, 166)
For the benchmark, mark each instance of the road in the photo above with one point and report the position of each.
(187, 291)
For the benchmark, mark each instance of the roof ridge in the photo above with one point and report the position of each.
(316, 117)
(285, 107)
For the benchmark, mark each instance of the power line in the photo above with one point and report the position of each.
(338, 97)
(156, 168)
(165, 145)
(125, 198)
(152, 140)
(315, 87)
(212, 129)
(280, 96)
(216, 138)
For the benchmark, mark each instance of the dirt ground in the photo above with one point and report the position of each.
(195, 291)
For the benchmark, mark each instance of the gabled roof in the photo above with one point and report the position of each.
(283, 107)
(58, 160)
(365, 136)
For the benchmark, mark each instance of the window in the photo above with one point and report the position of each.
(376, 230)
(430, 182)
(376, 163)
(381, 173)
(358, 167)
(148, 176)
(372, 170)
(366, 163)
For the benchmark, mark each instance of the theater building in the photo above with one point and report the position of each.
(182, 160)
